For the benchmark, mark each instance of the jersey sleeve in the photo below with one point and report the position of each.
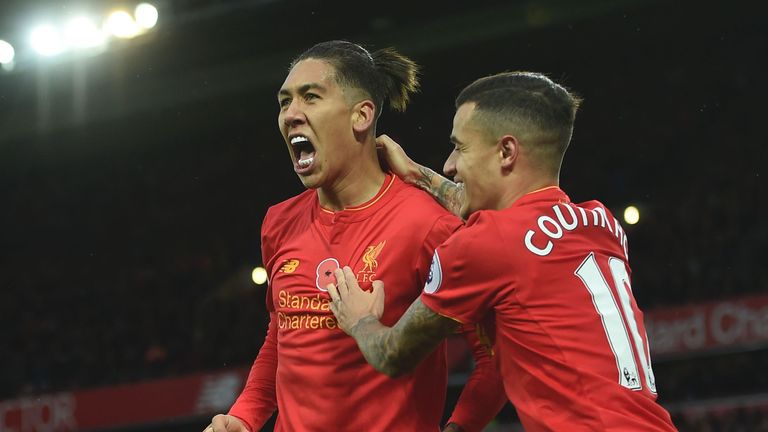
(465, 276)
(440, 231)
(268, 242)
(483, 395)
(258, 400)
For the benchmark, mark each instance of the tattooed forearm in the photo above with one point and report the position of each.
(399, 349)
(424, 179)
(449, 194)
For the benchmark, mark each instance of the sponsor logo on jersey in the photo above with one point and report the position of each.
(325, 273)
(289, 266)
(370, 262)
(311, 312)
(435, 277)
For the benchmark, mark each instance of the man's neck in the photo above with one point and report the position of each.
(524, 185)
(356, 187)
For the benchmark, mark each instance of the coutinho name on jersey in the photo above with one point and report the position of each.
(553, 226)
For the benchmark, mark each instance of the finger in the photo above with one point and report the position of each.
(228, 423)
(378, 298)
(394, 146)
(334, 308)
(217, 423)
(378, 288)
(384, 141)
(333, 292)
(341, 283)
(350, 278)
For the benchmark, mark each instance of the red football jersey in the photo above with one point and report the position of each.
(570, 338)
(319, 376)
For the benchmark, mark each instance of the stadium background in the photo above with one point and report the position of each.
(133, 183)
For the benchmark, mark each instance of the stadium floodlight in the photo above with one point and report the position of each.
(46, 41)
(259, 275)
(82, 32)
(7, 53)
(121, 24)
(146, 15)
(631, 215)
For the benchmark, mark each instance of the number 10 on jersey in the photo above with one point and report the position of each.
(619, 328)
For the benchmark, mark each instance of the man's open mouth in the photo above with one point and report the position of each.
(303, 150)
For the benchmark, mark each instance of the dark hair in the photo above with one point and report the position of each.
(385, 74)
(526, 98)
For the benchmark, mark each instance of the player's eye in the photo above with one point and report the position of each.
(310, 96)
(284, 102)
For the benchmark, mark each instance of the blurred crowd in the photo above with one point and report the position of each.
(737, 420)
(104, 325)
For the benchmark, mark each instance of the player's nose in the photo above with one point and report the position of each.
(449, 168)
(293, 115)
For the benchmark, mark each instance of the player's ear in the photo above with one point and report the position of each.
(363, 116)
(509, 148)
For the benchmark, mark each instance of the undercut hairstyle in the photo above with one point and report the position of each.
(528, 105)
(383, 75)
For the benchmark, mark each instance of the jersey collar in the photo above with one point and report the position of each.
(549, 193)
(362, 211)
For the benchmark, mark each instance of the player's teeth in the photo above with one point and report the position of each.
(298, 139)
(306, 162)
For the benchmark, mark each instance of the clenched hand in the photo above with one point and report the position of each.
(226, 423)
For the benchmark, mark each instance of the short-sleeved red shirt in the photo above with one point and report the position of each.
(570, 338)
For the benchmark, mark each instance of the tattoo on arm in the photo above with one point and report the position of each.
(424, 179)
(397, 350)
(448, 194)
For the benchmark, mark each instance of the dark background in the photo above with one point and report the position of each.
(133, 183)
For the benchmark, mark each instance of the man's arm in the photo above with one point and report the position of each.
(258, 400)
(483, 394)
(449, 194)
(391, 350)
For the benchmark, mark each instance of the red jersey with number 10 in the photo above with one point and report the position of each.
(570, 338)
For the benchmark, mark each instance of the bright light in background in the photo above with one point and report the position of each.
(259, 275)
(82, 32)
(7, 53)
(45, 40)
(146, 15)
(631, 215)
(122, 25)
